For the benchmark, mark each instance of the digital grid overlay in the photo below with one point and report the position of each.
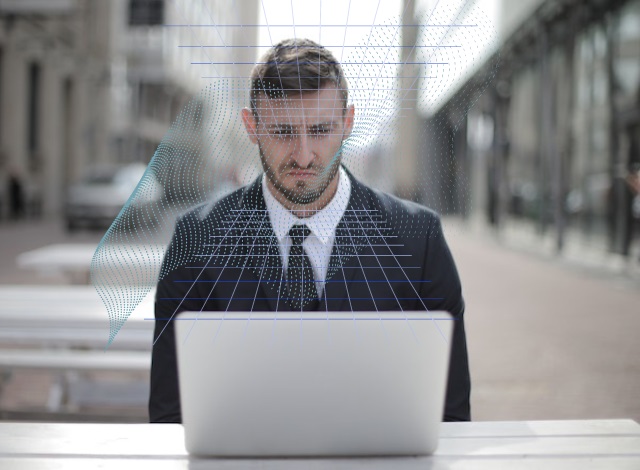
(231, 237)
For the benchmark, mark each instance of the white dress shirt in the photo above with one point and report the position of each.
(319, 243)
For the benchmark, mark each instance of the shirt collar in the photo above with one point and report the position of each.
(322, 224)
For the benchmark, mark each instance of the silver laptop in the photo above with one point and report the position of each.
(312, 383)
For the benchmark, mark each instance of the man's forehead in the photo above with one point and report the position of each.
(326, 102)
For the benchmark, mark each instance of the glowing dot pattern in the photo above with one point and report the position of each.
(207, 143)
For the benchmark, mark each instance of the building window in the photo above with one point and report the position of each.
(33, 110)
(146, 12)
(1, 86)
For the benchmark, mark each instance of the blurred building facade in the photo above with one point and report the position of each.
(548, 147)
(85, 82)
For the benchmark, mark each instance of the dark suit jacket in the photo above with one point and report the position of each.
(225, 257)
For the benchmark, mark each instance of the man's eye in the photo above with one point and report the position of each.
(320, 131)
(283, 133)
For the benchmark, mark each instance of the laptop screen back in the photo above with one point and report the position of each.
(312, 383)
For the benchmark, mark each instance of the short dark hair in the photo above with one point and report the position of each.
(296, 65)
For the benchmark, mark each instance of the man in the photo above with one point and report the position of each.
(306, 235)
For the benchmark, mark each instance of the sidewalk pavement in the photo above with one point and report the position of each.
(547, 339)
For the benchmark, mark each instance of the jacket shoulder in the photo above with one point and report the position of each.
(407, 217)
(213, 211)
(194, 229)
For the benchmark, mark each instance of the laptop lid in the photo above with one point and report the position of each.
(312, 383)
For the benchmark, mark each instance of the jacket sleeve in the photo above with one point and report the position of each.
(440, 269)
(164, 396)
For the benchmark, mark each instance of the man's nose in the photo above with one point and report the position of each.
(303, 151)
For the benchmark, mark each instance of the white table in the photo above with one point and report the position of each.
(70, 316)
(74, 259)
(548, 445)
(70, 259)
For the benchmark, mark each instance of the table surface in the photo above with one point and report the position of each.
(58, 255)
(69, 315)
(584, 445)
(79, 255)
(68, 305)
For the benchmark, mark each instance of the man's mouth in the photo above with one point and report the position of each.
(301, 173)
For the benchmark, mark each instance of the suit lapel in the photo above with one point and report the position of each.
(351, 240)
(264, 262)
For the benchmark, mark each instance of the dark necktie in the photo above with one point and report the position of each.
(302, 291)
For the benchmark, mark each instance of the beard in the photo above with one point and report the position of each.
(306, 191)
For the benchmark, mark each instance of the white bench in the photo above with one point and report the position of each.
(75, 360)
(65, 364)
(64, 330)
(82, 338)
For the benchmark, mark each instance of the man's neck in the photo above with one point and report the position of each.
(306, 210)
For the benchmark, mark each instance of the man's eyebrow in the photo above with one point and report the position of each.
(279, 125)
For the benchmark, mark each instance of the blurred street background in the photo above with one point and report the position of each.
(538, 139)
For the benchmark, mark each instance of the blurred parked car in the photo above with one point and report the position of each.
(98, 198)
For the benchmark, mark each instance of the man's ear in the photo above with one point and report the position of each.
(348, 120)
(250, 124)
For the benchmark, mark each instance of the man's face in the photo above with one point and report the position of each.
(300, 138)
